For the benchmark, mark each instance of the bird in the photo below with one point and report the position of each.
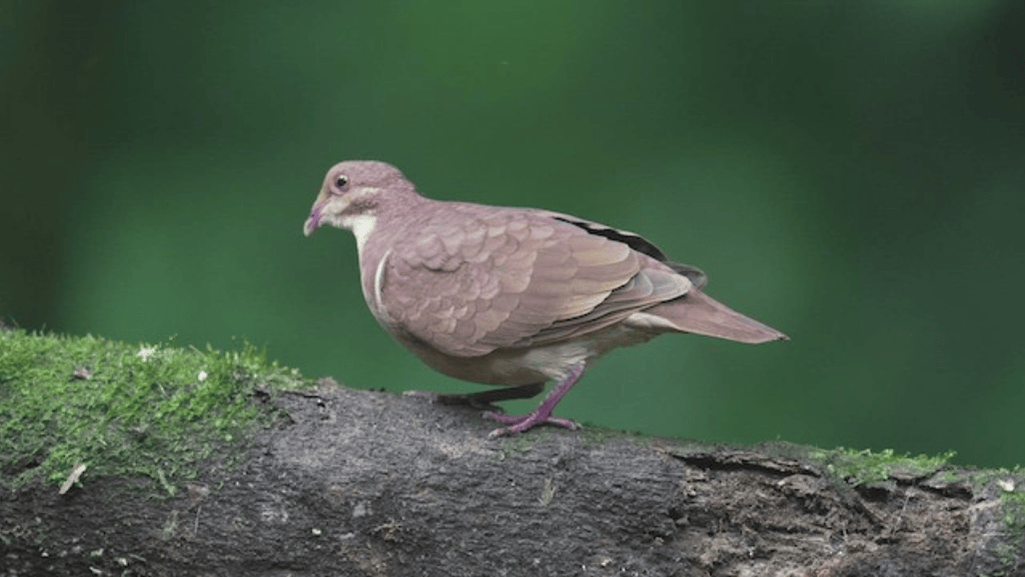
(513, 297)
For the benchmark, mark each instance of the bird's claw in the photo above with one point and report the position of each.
(520, 423)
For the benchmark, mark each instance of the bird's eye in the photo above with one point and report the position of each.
(342, 181)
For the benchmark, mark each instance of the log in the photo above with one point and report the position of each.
(355, 482)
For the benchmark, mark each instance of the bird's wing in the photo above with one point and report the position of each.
(486, 278)
(696, 276)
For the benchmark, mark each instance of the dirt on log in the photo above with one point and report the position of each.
(363, 483)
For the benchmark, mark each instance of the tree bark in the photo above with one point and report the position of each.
(364, 483)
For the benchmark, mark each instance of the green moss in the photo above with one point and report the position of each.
(1013, 504)
(865, 467)
(1014, 511)
(983, 478)
(153, 411)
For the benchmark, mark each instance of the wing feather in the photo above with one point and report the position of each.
(475, 279)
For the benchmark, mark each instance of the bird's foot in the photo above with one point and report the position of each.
(520, 423)
(543, 413)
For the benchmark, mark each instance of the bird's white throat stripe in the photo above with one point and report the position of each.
(361, 226)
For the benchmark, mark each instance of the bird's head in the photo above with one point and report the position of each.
(352, 193)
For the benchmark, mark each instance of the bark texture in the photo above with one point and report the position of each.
(364, 483)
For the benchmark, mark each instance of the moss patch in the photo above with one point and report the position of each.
(1012, 501)
(120, 409)
(866, 467)
(1014, 512)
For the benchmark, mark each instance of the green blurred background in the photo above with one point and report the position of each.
(851, 173)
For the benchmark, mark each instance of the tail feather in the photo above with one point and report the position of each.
(698, 313)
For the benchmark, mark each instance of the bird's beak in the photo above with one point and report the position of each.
(313, 222)
(326, 210)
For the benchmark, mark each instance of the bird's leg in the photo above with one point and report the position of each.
(543, 413)
(482, 399)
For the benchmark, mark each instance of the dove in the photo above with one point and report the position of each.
(514, 297)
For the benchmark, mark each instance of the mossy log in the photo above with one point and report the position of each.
(354, 482)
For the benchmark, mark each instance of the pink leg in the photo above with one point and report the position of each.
(543, 413)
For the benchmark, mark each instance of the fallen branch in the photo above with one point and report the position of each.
(363, 483)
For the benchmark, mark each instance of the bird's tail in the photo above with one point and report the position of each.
(698, 313)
